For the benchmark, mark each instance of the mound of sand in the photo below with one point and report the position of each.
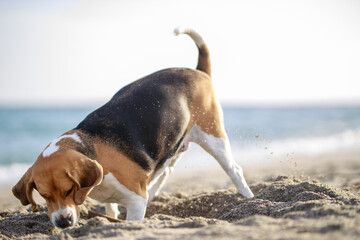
(283, 208)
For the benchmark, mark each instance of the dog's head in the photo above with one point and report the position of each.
(64, 180)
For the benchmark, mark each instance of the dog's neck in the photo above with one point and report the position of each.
(87, 144)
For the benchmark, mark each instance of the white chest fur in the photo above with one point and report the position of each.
(112, 191)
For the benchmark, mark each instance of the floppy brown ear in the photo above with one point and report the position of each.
(86, 175)
(23, 190)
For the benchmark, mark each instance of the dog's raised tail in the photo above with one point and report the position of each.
(204, 63)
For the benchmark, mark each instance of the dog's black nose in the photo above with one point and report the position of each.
(64, 222)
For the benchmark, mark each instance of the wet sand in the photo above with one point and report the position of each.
(299, 198)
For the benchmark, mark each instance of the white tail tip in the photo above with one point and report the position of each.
(192, 33)
(179, 30)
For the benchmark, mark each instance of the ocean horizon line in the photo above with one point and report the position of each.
(225, 104)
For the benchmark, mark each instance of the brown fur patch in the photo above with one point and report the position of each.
(204, 63)
(126, 171)
(204, 109)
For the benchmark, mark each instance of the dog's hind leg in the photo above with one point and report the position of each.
(219, 148)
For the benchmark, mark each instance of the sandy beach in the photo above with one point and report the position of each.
(296, 198)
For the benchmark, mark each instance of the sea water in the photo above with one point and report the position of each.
(256, 134)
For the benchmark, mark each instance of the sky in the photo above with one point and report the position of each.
(284, 52)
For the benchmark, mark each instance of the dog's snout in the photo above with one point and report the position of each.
(64, 222)
(64, 217)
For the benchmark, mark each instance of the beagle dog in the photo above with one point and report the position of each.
(123, 152)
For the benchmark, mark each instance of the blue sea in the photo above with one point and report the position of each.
(256, 134)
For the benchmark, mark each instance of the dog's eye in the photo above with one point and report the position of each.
(46, 197)
(69, 192)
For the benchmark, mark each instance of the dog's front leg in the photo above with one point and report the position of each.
(136, 208)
